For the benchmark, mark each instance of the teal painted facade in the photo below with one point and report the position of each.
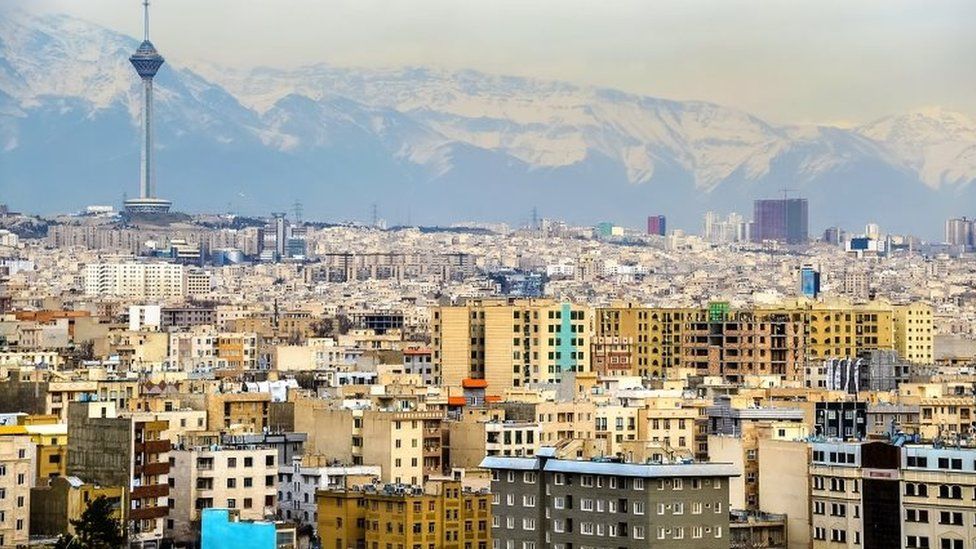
(218, 532)
(566, 337)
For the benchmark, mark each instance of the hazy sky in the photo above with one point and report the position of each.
(788, 61)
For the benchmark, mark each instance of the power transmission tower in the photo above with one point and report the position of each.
(298, 210)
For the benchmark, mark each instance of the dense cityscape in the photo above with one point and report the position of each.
(275, 381)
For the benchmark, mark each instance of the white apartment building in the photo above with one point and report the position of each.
(139, 280)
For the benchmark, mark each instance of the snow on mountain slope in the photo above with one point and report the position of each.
(937, 144)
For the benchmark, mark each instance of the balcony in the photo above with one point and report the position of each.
(145, 513)
(151, 491)
(150, 469)
(153, 447)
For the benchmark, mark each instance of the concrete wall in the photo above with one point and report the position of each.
(783, 486)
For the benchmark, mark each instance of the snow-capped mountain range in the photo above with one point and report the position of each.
(436, 146)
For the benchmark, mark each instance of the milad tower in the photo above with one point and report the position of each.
(147, 61)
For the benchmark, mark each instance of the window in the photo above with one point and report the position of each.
(953, 518)
(528, 500)
(528, 477)
(679, 508)
(528, 524)
(638, 532)
(946, 543)
(269, 461)
(696, 532)
(231, 463)
(559, 502)
(678, 484)
(638, 507)
(586, 504)
(638, 484)
(819, 508)
(231, 503)
(696, 508)
(916, 515)
(838, 536)
(679, 532)
(232, 483)
(919, 542)
(586, 528)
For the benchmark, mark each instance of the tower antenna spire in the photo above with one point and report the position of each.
(145, 18)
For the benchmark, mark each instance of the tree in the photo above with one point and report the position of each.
(96, 529)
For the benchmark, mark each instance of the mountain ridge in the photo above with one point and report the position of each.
(424, 139)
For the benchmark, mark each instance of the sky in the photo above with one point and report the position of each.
(825, 61)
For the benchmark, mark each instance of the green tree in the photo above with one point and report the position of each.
(96, 529)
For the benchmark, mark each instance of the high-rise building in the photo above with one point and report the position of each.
(657, 224)
(147, 62)
(510, 343)
(809, 281)
(832, 235)
(961, 232)
(783, 220)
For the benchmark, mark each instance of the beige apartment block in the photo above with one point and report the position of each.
(913, 332)
(16, 476)
(407, 445)
(209, 475)
(510, 342)
(242, 411)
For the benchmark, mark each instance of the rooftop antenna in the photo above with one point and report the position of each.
(145, 19)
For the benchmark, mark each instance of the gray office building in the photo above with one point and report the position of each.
(544, 501)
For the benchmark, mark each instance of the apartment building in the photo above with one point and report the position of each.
(548, 502)
(510, 343)
(938, 486)
(16, 478)
(207, 474)
(50, 440)
(299, 480)
(407, 445)
(244, 410)
(479, 433)
(418, 361)
(137, 280)
(130, 451)
(913, 332)
(652, 336)
(440, 514)
(735, 431)
(58, 501)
